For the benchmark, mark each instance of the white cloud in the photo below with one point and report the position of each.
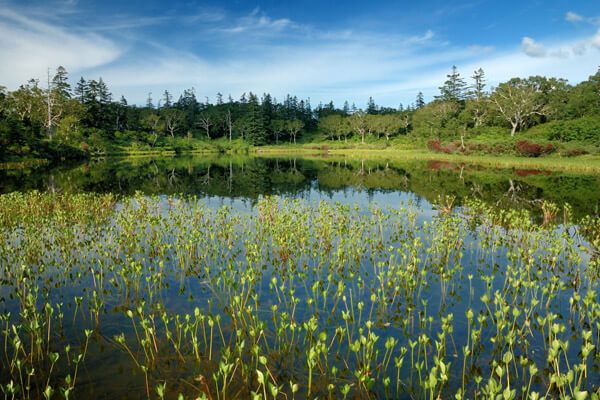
(257, 21)
(559, 53)
(532, 48)
(579, 48)
(596, 40)
(29, 47)
(481, 49)
(573, 17)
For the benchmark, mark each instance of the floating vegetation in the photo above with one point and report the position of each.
(166, 298)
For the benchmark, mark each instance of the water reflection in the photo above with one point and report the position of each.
(241, 180)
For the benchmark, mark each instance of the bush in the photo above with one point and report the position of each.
(581, 129)
(524, 148)
(489, 132)
(575, 152)
(434, 145)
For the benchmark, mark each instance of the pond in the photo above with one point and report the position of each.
(240, 180)
(288, 277)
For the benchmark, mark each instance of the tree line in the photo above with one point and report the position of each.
(85, 116)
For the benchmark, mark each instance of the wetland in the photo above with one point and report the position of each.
(234, 277)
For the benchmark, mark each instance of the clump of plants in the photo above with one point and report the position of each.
(527, 149)
(295, 300)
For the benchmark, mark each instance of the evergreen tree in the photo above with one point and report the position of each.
(149, 101)
(256, 132)
(104, 94)
(267, 108)
(454, 88)
(371, 106)
(81, 90)
(420, 102)
(346, 108)
(478, 87)
(168, 99)
(60, 84)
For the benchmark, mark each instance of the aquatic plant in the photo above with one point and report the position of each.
(295, 300)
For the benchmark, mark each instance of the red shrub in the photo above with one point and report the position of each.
(524, 148)
(576, 152)
(434, 145)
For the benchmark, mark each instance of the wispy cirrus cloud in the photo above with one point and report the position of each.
(258, 21)
(576, 18)
(30, 46)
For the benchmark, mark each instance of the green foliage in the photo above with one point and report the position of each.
(86, 117)
(256, 131)
(586, 129)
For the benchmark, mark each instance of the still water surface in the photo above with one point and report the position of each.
(241, 184)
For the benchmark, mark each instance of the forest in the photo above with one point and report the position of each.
(534, 116)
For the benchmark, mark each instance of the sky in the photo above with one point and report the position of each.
(323, 50)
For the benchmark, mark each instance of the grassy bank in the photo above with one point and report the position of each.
(587, 162)
(579, 163)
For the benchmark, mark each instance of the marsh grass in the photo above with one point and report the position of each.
(295, 300)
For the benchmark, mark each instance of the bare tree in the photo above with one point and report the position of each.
(52, 109)
(357, 123)
(294, 127)
(152, 122)
(26, 102)
(206, 123)
(229, 123)
(517, 102)
(277, 127)
(173, 119)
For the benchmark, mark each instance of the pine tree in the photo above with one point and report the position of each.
(267, 108)
(256, 132)
(60, 84)
(371, 106)
(81, 90)
(454, 87)
(104, 95)
(420, 102)
(149, 101)
(168, 99)
(478, 87)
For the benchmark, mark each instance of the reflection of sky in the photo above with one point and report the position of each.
(348, 196)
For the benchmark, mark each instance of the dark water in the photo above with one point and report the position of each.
(240, 182)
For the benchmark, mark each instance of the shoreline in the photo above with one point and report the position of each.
(587, 163)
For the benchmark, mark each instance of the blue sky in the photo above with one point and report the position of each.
(325, 50)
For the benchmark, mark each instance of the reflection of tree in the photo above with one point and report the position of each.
(250, 177)
(206, 178)
(172, 176)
